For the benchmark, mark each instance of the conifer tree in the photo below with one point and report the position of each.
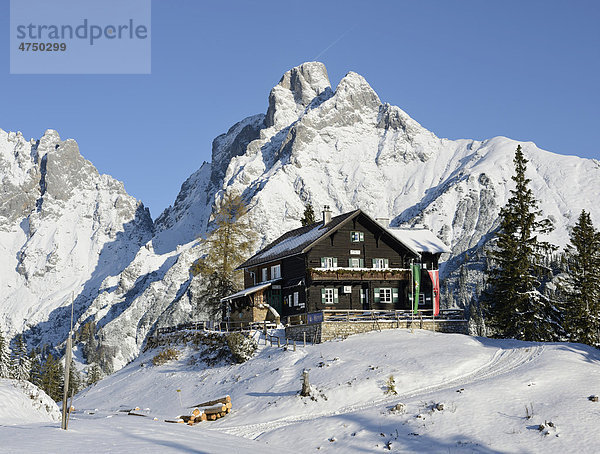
(74, 380)
(20, 359)
(52, 377)
(94, 374)
(5, 366)
(226, 247)
(581, 284)
(309, 216)
(514, 305)
(35, 371)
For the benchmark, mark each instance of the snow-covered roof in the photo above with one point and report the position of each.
(247, 291)
(300, 240)
(295, 241)
(420, 239)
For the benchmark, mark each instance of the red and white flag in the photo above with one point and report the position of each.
(434, 275)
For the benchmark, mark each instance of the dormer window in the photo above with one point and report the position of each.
(264, 274)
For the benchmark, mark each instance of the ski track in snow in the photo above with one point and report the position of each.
(503, 362)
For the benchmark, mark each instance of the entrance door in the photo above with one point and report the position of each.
(364, 297)
(274, 300)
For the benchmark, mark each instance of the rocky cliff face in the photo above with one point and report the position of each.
(64, 228)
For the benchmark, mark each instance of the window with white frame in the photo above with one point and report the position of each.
(385, 295)
(357, 237)
(264, 274)
(329, 295)
(354, 262)
(329, 262)
(275, 271)
(380, 263)
(296, 299)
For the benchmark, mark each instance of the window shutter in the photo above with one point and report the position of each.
(374, 265)
(335, 296)
(350, 262)
(322, 296)
(362, 236)
(386, 263)
(335, 262)
(376, 295)
(322, 262)
(394, 295)
(362, 263)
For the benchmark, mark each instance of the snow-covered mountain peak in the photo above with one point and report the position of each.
(357, 92)
(296, 90)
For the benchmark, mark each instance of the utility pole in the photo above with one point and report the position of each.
(68, 354)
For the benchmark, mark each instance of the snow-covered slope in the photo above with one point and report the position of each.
(24, 403)
(485, 386)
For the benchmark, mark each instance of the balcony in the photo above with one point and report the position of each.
(358, 274)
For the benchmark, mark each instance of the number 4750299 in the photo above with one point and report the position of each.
(43, 47)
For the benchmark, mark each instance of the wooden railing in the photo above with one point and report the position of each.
(225, 326)
(341, 274)
(373, 315)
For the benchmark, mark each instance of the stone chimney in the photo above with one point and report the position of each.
(384, 221)
(326, 215)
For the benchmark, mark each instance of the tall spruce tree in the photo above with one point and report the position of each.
(227, 246)
(515, 307)
(5, 366)
(20, 359)
(581, 284)
(52, 377)
(309, 216)
(94, 374)
(75, 381)
(35, 371)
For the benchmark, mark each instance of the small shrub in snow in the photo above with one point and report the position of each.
(167, 354)
(529, 411)
(593, 398)
(242, 348)
(547, 428)
(439, 406)
(390, 385)
(398, 408)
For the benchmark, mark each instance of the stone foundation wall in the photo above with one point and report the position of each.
(320, 332)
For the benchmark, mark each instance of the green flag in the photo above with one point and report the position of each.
(417, 286)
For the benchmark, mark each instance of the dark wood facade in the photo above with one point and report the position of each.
(357, 264)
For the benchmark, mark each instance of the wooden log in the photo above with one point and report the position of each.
(215, 409)
(136, 414)
(202, 417)
(222, 400)
(211, 417)
(177, 421)
(196, 412)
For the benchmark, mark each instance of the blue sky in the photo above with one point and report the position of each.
(528, 70)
